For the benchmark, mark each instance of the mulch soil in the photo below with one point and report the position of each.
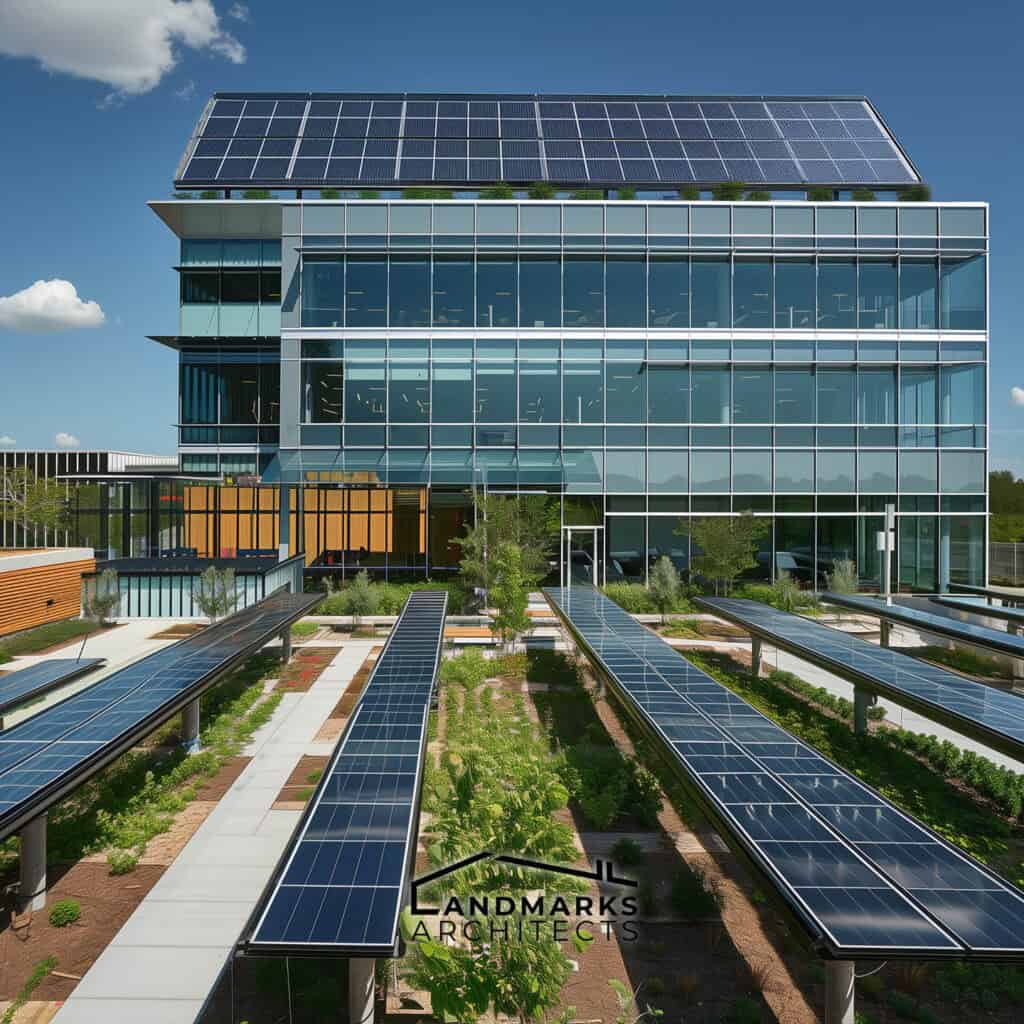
(216, 786)
(305, 667)
(297, 787)
(179, 631)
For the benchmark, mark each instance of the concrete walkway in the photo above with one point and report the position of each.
(163, 963)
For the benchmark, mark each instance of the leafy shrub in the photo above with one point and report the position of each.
(121, 862)
(469, 668)
(608, 785)
(691, 897)
(636, 599)
(819, 695)
(65, 912)
(655, 986)
(391, 597)
(784, 594)
(627, 853)
(744, 1011)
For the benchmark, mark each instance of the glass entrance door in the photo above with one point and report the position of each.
(582, 556)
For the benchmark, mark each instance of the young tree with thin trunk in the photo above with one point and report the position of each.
(510, 592)
(728, 543)
(26, 498)
(663, 585)
(216, 595)
(361, 598)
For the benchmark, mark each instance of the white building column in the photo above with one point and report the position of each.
(839, 992)
(190, 726)
(32, 864)
(361, 990)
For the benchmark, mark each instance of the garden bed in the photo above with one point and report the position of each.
(305, 668)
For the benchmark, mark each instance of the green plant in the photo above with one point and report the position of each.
(427, 192)
(541, 190)
(728, 545)
(627, 853)
(727, 191)
(820, 194)
(690, 194)
(843, 577)
(587, 193)
(862, 195)
(663, 583)
(919, 193)
(510, 593)
(216, 595)
(785, 592)
(65, 912)
(744, 1011)
(26, 497)
(39, 972)
(468, 668)
(209, 193)
(691, 897)
(499, 190)
(304, 629)
(330, 193)
(626, 192)
(104, 597)
(256, 193)
(120, 862)
(655, 985)
(758, 196)
(360, 598)
(369, 193)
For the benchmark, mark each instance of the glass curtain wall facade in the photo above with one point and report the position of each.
(641, 362)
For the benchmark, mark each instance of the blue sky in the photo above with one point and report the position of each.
(99, 107)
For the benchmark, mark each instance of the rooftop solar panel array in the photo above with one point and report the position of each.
(49, 754)
(313, 139)
(980, 606)
(339, 888)
(27, 683)
(980, 636)
(992, 716)
(866, 879)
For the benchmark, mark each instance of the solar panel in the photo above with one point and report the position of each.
(991, 716)
(1007, 595)
(996, 640)
(339, 887)
(752, 139)
(27, 683)
(866, 880)
(979, 606)
(49, 754)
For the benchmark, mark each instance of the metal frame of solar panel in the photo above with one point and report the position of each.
(338, 888)
(865, 879)
(36, 680)
(991, 716)
(996, 640)
(48, 755)
(296, 140)
(989, 593)
(1014, 617)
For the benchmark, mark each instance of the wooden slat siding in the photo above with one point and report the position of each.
(24, 593)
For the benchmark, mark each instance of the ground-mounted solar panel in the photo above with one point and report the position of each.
(1008, 595)
(48, 755)
(339, 888)
(996, 640)
(1014, 617)
(991, 716)
(866, 880)
(773, 142)
(17, 688)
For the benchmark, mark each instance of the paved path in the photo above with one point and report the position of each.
(162, 964)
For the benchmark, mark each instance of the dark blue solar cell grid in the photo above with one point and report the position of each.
(836, 847)
(853, 146)
(114, 709)
(351, 853)
(978, 707)
(26, 683)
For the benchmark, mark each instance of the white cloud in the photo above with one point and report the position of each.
(1017, 396)
(240, 12)
(187, 91)
(127, 44)
(6, 441)
(63, 440)
(48, 306)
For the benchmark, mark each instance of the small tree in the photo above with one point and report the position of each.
(820, 194)
(104, 599)
(843, 577)
(758, 196)
(727, 191)
(785, 592)
(499, 190)
(361, 598)
(510, 593)
(541, 190)
(629, 1007)
(729, 544)
(690, 193)
(216, 595)
(663, 585)
(24, 497)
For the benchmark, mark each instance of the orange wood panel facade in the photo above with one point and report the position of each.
(41, 593)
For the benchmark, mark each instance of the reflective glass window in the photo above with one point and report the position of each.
(669, 283)
(794, 471)
(668, 471)
(751, 471)
(626, 290)
(963, 472)
(794, 396)
(540, 390)
(409, 298)
(836, 472)
(794, 293)
(624, 392)
(583, 390)
(837, 294)
(711, 299)
(496, 288)
(409, 393)
(496, 392)
(711, 400)
(918, 294)
(837, 391)
(876, 284)
(583, 298)
(200, 287)
(453, 291)
(540, 291)
(918, 393)
(709, 472)
(323, 388)
(452, 392)
(918, 471)
(752, 292)
(963, 394)
(876, 472)
(876, 396)
(366, 291)
(752, 394)
(323, 292)
(962, 292)
(624, 470)
(365, 392)
(668, 394)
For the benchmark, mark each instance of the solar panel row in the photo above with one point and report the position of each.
(980, 606)
(992, 716)
(980, 636)
(866, 879)
(51, 753)
(339, 887)
(263, 139)
(27, 683)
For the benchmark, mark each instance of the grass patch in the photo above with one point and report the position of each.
(636, 599)
(39, 639)
(303, 629)
(138, 796)
(40, 971)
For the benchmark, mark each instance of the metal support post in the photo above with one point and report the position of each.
(286, 646)
(839, 992)
(755, 657)
(32, 863)
(284, 523)
(190, 726)
(360, 991)
(862, 700)
(884, 629)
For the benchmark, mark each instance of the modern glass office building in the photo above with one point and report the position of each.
(366, 352)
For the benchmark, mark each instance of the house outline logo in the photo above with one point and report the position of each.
(604, 871)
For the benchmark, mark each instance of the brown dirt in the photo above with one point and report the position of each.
(107, 901)
(297, 787)
(335, 721)
(179, 631)
(305, 668)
